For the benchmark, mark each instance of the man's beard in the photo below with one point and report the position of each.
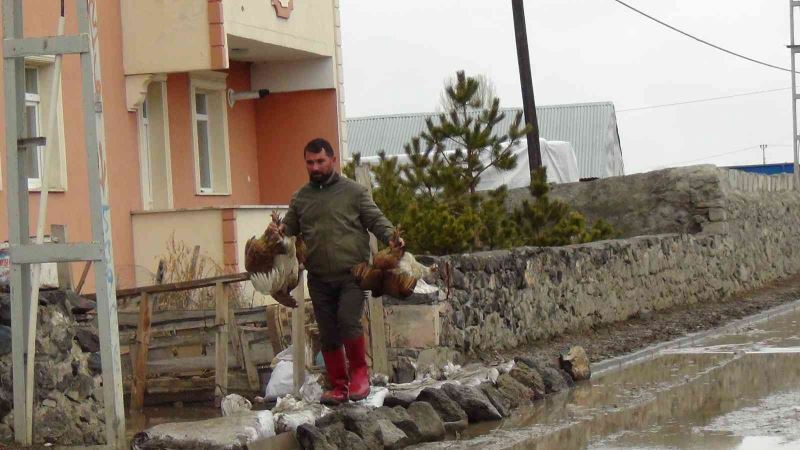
(319, 177)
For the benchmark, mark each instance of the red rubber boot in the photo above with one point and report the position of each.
(359, 375)
(335, 366)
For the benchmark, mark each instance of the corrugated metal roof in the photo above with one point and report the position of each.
(591, 128)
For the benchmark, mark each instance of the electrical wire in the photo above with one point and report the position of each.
(702, 100)
(702, 41)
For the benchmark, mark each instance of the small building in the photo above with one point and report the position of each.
(183, 158)
(591, 128)
(766, 169)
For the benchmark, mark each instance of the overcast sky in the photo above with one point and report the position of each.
(396, 54)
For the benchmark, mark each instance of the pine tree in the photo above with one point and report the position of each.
(434, 195)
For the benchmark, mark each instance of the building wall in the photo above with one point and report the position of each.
(286, 122)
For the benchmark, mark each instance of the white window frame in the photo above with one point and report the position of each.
(145, 151)
(58, 169)
(211, 84)
(35, 101)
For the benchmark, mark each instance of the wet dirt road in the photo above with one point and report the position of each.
(739, 390)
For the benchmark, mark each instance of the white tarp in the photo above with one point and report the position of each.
(557, 156)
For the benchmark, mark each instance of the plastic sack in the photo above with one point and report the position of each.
(311, 391)
(376, 397)
(290, 413)
(280, 382)
(235, 404)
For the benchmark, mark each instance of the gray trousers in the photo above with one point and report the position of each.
(338, 307)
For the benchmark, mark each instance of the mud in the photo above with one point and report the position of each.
(639, 332)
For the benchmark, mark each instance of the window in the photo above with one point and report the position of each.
(39, 72)
(33, 161)
(210, 132)
(154, 151)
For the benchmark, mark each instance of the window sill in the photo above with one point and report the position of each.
(38, 190)
(213, 194)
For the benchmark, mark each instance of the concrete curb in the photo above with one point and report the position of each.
(648, 353)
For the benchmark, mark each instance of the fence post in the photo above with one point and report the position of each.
(299, 334)
(221, 344)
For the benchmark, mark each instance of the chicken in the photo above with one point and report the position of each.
(393, 271)
(273, 262)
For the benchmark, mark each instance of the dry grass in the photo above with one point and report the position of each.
(186, 263)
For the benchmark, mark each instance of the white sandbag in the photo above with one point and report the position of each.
(235, 404)
(236, 431)
(290, 413)
(281, 381)
(311, 391)
(375, 398)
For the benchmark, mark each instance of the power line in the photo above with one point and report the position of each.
(739, 55)
(710, 99)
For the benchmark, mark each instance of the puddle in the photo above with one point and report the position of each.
(737, 391)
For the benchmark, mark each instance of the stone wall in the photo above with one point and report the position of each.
(677, 200)
(731, 232)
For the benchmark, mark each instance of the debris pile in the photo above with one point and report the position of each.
(428, 409)
(68, 395)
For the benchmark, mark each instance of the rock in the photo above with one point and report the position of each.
(402, 420)
(340, 438)
(473, 402)
(445, 406)
(88, 340)
(311, 438)
(6, 433)
(361, 423)
(500, 403)
(232, 432)
(515, 392)
(405, 370)
(393, 437)
(553, 380)
(530, 378)
(399, 398)
(95, 365)
(430, 425)
(576, 363)
(5, 340)
(530, 362)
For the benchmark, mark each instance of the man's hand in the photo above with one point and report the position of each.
(398, 244)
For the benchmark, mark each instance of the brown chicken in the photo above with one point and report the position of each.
(273, 262)
(393, 271)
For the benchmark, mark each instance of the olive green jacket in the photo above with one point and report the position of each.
(333, 218)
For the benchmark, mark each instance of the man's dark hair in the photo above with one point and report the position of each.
(318, 145)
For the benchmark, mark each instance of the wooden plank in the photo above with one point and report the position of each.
(377, 331)
(273, 326)
(249, 363)
(180, 286)
(58, 233)
(299, 335)
(86, 267)
(221, 345)
(142, 350)
(236, 337)
(243, 315)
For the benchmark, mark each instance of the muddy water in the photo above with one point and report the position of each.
(736, 391)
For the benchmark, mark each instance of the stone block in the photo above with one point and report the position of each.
(415, 326)
(393, 437)
(502, 404)
(428, 421)
(445, 406)
(717, 214)
(402, 419)
(477, 406)
(530, 378)
(576, 363)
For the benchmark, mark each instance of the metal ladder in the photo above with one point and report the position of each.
(22, 253)
(794, 49)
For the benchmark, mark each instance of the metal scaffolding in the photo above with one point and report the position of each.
(22, 252)
(794, 49)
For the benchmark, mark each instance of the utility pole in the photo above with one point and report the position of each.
(763, 154)
(526, 80)
(794, 49)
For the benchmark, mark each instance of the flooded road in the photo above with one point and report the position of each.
(739, 390)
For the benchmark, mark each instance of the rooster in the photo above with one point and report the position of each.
(273, 262)
(393, 271)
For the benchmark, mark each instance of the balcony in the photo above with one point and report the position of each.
(188, 35)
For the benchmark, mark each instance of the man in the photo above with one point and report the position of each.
(333, 215)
